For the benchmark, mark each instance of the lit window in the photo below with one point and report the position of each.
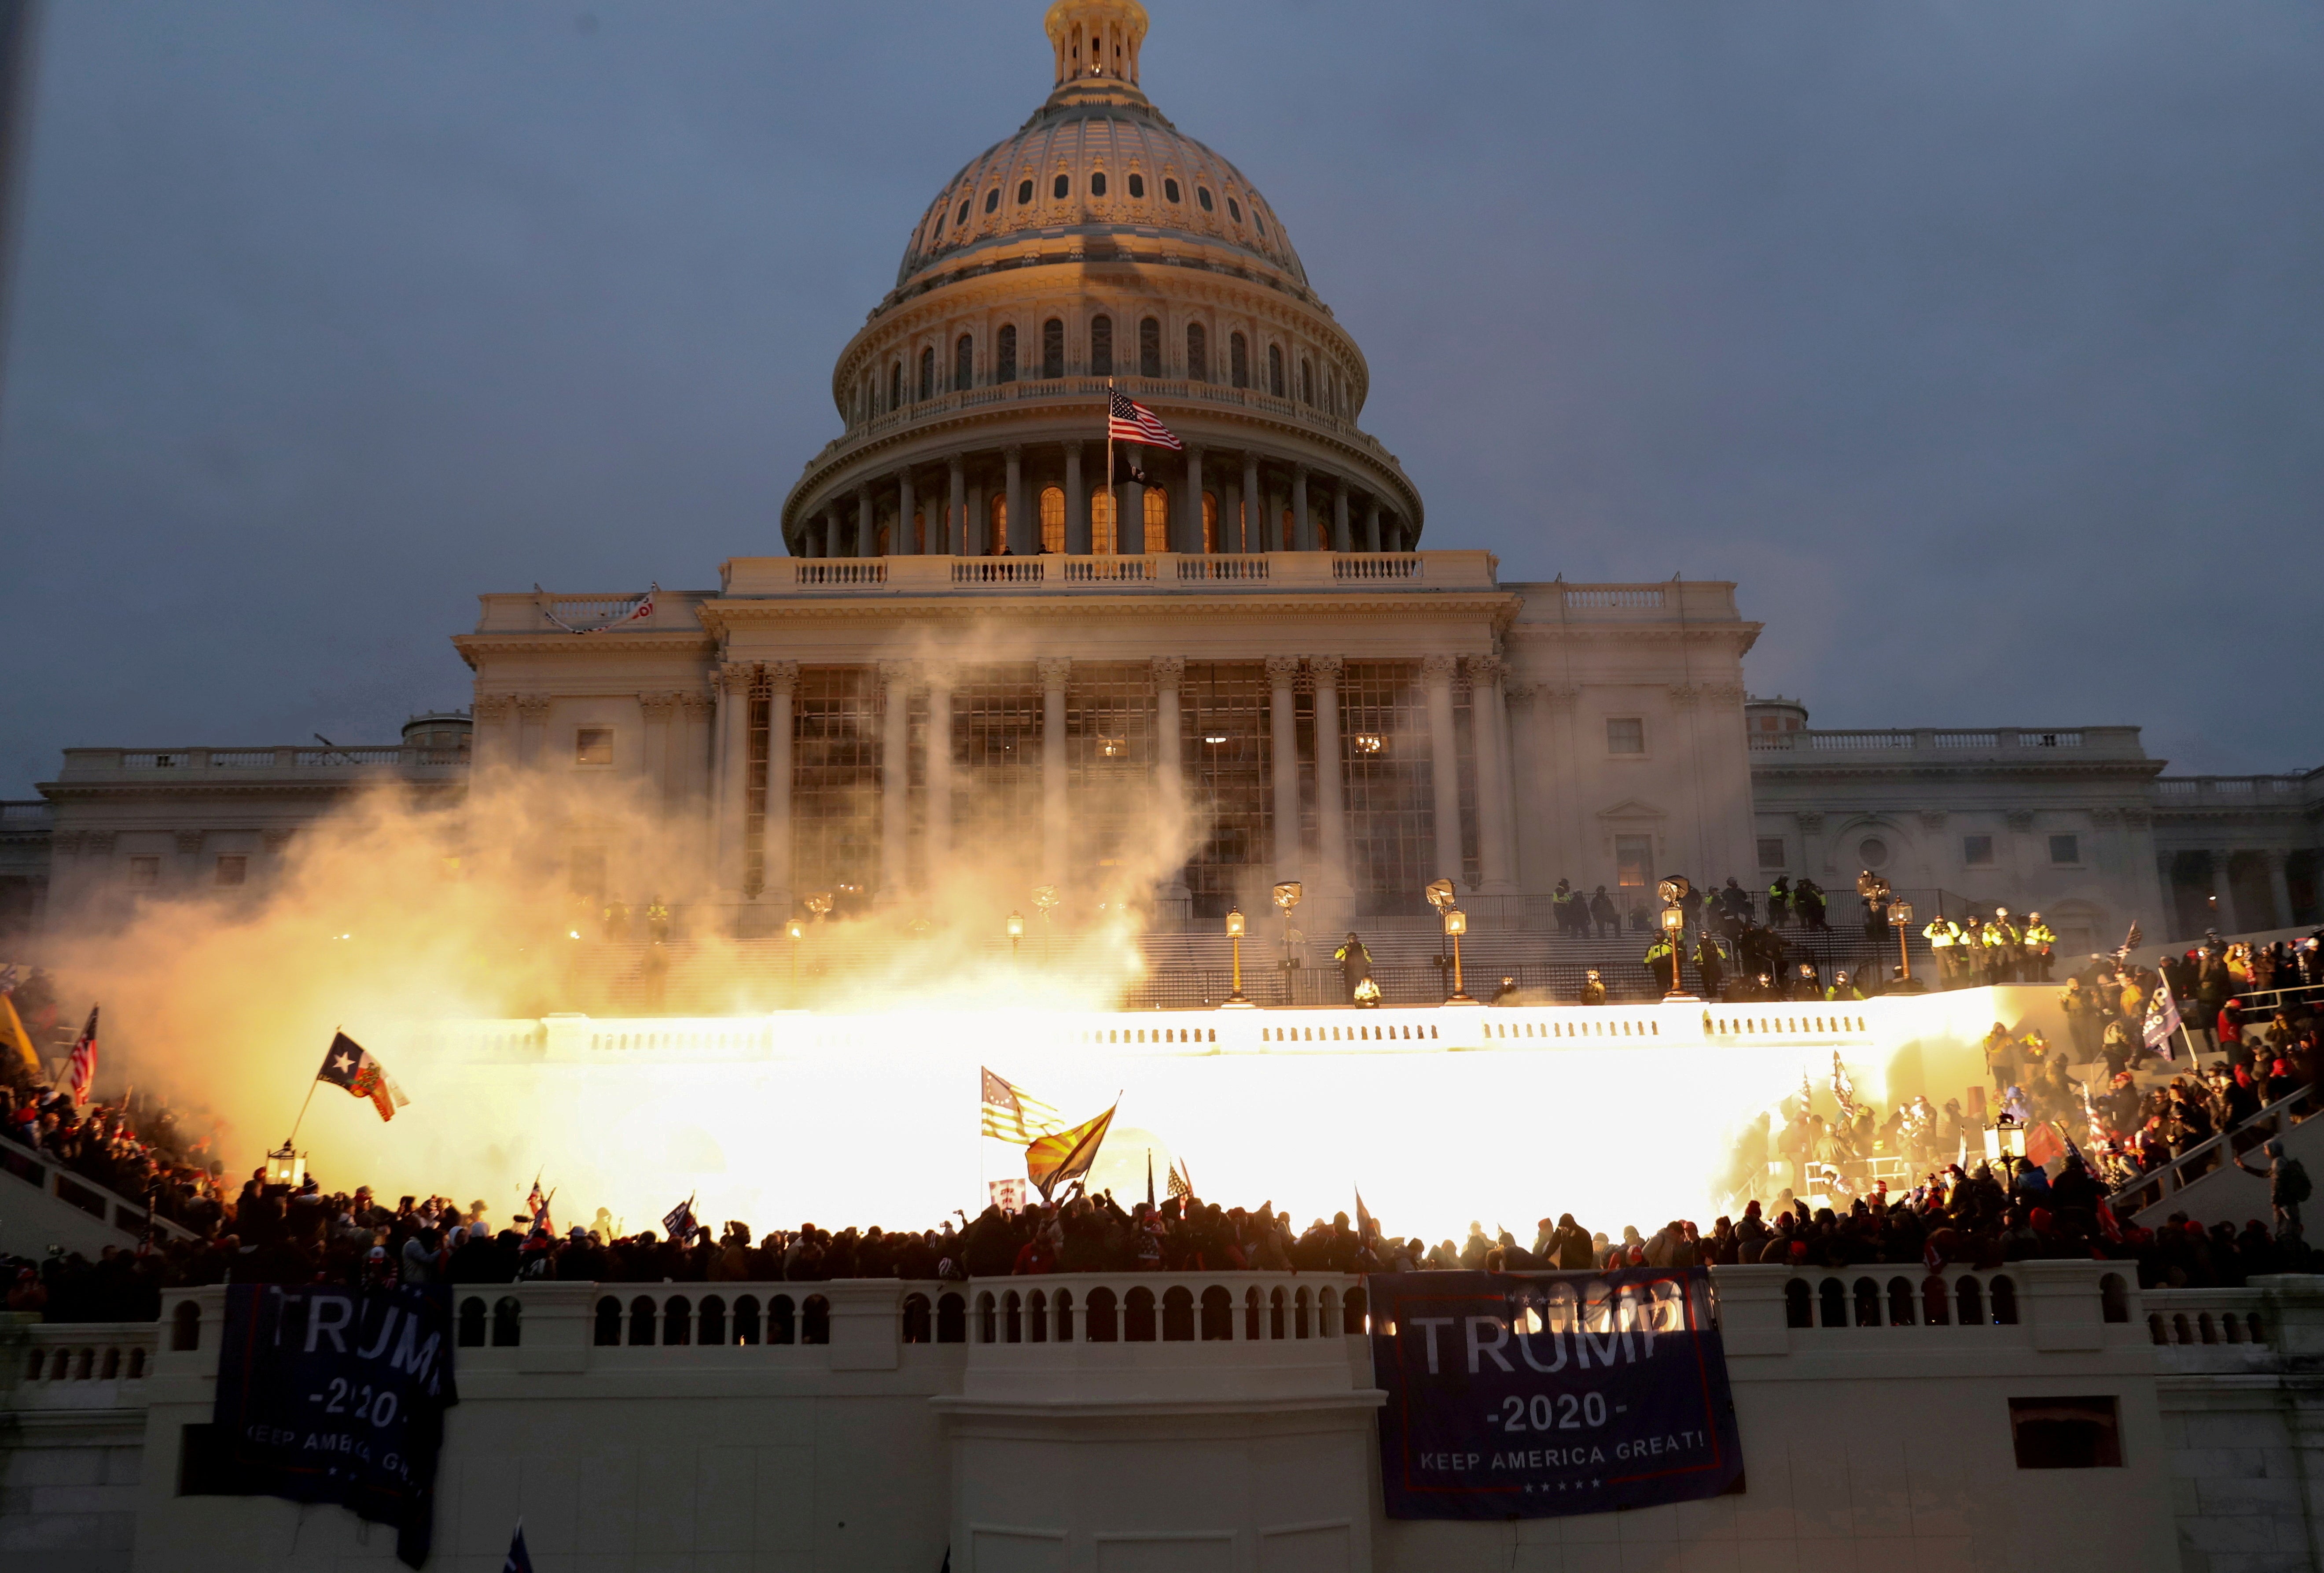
(1024, 192)
(1097, 183)
(1053, 519)
(1203, 195)
(1136, 185)
(997, 511)
(1771, 852)
(1633, 857)
(1626, 734)
(1169, 190)
(232, 870)
(1976, 851)
(144, 871)
(1064, 184)
(1210, 522)
(592, 746)
(2065, 849)
(1157, 519)
(1101, 534)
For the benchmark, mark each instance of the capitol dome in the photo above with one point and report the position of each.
(1097, 248)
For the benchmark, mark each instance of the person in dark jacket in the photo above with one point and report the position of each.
(1355, 963)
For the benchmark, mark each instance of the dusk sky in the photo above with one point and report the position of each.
(1981, 344)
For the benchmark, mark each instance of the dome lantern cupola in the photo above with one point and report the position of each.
(1096, 38)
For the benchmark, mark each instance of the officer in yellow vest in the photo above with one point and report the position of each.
(1659, 962)
(2039, 938)
(1944, 938)
(2013, 944)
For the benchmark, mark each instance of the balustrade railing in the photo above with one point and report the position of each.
(2214, 1154)
(58, 1358)
(2207, 1316)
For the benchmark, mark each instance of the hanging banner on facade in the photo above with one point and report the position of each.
(1537, 1396)
(337, 1396)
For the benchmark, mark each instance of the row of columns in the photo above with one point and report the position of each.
(2279, 886)
(847, 525)
(741, 684)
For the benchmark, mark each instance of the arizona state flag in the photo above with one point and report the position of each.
(14, 1036)
(1051, 1160)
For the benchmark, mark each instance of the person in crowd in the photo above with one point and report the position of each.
(1355, 963)
(1603, 914)
(1779, 902)
(1593, 988)
(1808, 902)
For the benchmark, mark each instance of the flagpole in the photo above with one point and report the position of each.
(1114, 502)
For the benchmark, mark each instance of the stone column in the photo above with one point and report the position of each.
(1331, 779)
(939, 773)
(2279, 885)
(1190, 530)
(1302, 539)
(532, 727)
(1340, 541)
(1020, 540)
(1495, 816)
(830, 531)
(658, 710)
(694, 735)
(1053, 670)
(2224, 916)
(734, 679)
(1282, 675)
(1169, 767)
(1078, 514)
(189, 859)
(775, 833)
(1372, 525)
(494, 747)
(867, 543)
(907, 520)
(956, 509)
(1443, 762)
(1254, 502)
(895, 778)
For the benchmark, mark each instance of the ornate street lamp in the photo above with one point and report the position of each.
(1286, 896)
(1674, 892)
(1456, 923)
(797, 930)
(1016, 931)
(1234, 934)
(1900, 913)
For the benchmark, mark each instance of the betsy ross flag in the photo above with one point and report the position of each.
(1181, 1183)
(348, 1064)
(80, 1071)
(1012, 1116)
(679, 1222)
(2161, 1021)
(1128, 421)
(1051, 1160)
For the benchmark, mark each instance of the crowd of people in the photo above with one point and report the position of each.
(1804, 1189)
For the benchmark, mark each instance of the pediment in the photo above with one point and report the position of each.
(1632, 809)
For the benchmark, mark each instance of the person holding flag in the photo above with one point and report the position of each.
(12, 1025)
(80, 1070)
(679, 1222)
(1051, 1160)
(2161, 1021)
(350, 1066)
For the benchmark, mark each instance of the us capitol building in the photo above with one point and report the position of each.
(971, 637)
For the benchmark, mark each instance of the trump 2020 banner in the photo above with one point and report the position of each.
(1534, 1395)
(330, 1394)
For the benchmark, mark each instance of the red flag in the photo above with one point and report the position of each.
(2109, 1223)
(2044, 1146)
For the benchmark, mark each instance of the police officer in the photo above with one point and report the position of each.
(1659, 962)
(1710, 960)
(1562, 909)
(2039, 938)
(1779, 902)
(1944, 935)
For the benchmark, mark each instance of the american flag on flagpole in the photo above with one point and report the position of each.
(80, 1072)
(1128, 421)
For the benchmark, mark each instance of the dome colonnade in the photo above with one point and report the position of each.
(1099, 245)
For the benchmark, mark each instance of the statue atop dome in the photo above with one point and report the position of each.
(1096, 39)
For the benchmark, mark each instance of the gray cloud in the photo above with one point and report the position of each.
(1979, 342)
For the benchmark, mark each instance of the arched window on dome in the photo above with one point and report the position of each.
(928, 373)
(992, 198)
(1198, 352)
(895, 385)
(1202, 195)
(1101, 531)
(1275, 370)
(1234, 209)
(1258, 221)
(1024, 192)
(1004, 354)
(1052, 348)
(1169, 190)
(997, 517)
(1210, 522)
(1053, 519)
(1101, 347)
(1238, 360)
(1064, 183)
(1137, 184)
(1097, 183)
(1307, 382)
(1157, 519)
(1149, 347)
